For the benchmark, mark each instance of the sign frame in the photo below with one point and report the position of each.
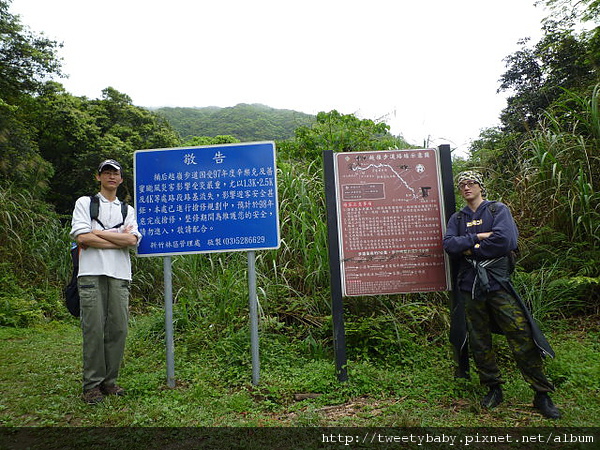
(370, 193)
(255, 191)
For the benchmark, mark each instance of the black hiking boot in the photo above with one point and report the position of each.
(493, 398)
(543, 402)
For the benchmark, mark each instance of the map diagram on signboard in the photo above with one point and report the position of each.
(390, 218)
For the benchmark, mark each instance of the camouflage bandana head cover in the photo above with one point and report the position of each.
(472, 175)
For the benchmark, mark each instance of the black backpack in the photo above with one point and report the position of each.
(71, 292)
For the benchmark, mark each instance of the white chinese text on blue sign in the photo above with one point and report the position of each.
(207, 199)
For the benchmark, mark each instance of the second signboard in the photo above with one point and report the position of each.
(391, 222)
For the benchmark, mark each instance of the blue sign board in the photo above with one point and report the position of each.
(207, 199)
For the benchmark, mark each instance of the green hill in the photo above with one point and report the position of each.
(246, 122)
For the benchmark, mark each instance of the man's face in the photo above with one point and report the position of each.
(110, 178)
(469, 189)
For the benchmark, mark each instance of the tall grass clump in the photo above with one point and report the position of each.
(560, 181)
(34, 250)
(557, 196)
(301, 263)
(550, 294)
(211, 290)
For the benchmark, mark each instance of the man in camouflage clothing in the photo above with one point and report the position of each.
(481, 237)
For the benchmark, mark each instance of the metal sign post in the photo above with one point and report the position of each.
(253, 317)
(337, 303)
(457, 313)
(169, 342)
(203, 200)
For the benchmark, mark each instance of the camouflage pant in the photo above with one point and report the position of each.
(504, 309)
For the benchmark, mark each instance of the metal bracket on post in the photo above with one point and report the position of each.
(337, 304)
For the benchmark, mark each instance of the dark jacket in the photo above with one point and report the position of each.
(488, 267)
(461, 235)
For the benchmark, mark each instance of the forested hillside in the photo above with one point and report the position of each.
(246, 123)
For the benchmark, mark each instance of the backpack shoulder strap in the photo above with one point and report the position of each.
(95, 209)
(123, 214)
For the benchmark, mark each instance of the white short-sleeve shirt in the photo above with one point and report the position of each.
(114, 263)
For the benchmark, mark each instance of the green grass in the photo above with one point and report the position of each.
(40, 381)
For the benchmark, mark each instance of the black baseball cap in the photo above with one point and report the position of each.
(110, 163)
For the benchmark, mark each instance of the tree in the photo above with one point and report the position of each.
(497, 154)
(566, 58)
(21, 165)
(341, 133)
(50, 141)
(544, 159)
(244, 122)
(26, 60)
(75, 134)
(208, 140)
(538, 75)
(545, 134)
(570, 12)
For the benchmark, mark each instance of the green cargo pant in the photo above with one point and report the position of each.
(509, 316)
(104, 319)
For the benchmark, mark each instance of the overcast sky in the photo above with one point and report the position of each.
(431, 66)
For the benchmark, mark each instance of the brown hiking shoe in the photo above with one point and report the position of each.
(93, 396)
(112, 390)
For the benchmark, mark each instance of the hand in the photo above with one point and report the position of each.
(482, 236)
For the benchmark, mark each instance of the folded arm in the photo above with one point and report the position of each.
(503, 236)
(454, 242)
(464, 244)
(107, 239)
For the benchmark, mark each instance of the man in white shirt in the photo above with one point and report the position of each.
(103, 282)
